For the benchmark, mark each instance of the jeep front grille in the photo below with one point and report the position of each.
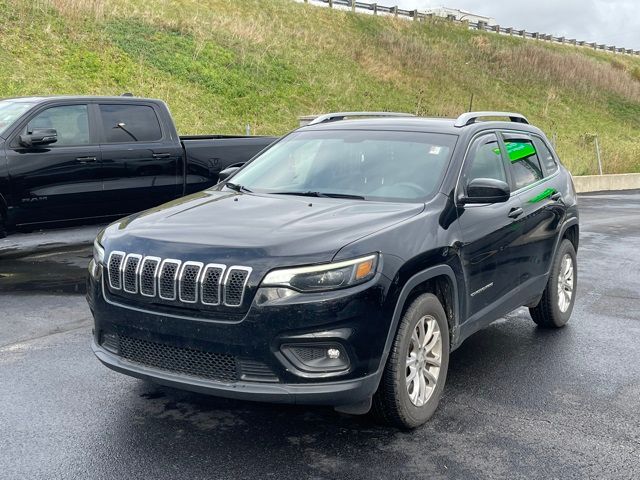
(170, 279)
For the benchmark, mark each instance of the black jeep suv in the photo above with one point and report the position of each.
(343, 264)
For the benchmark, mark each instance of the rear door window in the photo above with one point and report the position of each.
(523, 159)
(129, 123)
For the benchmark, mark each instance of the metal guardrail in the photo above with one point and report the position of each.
(376, 9)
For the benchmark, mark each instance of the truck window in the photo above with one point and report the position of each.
(129, 123)
(70, 121)
(523, 157)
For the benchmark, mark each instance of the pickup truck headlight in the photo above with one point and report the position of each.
(98, 252)
(330, 276)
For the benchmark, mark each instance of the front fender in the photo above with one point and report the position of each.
(414, 281)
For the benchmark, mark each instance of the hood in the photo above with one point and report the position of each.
(240, 228)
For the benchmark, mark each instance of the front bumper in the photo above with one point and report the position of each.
(353, 318)
(326, 393)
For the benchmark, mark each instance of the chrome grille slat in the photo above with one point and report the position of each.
(129, 270)
(113, 265)
(234, 285)
(171, 279)
(167, 279)
(188, 281)
(211, 283)
(148, 275)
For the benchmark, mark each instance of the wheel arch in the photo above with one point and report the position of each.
(439, 280)
(572, 233)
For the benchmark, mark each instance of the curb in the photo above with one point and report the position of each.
(601, 183)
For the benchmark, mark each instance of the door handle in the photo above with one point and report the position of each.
(86, 159)
(515, 212)
(556, 196)
(161, 155)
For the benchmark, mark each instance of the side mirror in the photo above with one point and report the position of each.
(227, 172)
(40, 136)
(486, 190)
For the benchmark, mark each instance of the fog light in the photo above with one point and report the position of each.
(317, 357)
(333, 353)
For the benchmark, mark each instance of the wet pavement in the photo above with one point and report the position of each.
(519, 403)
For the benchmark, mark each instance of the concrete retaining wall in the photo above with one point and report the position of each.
(599, 183)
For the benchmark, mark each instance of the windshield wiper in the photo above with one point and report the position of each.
(323, 194)
(237, 187)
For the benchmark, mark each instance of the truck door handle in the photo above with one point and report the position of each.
(161, 155)
(86, 159)
(515, 212)
(556, 196)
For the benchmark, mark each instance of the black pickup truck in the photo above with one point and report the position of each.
(77, 158)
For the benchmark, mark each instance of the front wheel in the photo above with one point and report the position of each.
(416, 369)
(556, 304)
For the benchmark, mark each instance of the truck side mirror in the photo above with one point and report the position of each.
(486, 190)
(39, 136)
(227, 172)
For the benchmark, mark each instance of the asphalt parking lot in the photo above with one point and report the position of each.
(519, 403)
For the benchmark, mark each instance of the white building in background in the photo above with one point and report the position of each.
(460, 15)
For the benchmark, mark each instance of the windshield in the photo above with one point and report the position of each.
(365, 164)
(10, 111)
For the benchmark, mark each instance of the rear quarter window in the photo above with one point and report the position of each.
(547, 159)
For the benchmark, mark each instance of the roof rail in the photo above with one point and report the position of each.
(333, 117)
(127, 94)
(471, 117)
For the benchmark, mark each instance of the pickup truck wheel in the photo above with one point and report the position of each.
(556, 304)
(416, 370)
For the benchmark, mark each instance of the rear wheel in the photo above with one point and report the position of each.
(556, 304)
(416, 369)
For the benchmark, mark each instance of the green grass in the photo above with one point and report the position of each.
(221, 64)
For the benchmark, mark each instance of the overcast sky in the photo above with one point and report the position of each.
(614, 22)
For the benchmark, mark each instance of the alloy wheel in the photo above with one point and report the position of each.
(565, 283)
(423, 360)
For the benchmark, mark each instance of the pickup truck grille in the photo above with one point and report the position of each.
(186, 282)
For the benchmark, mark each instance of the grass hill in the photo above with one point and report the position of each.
(221, 64)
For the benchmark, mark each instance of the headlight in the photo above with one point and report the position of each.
(98, 253)
(324, 277)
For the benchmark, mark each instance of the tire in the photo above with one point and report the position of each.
(392, 403)
(554, 308)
